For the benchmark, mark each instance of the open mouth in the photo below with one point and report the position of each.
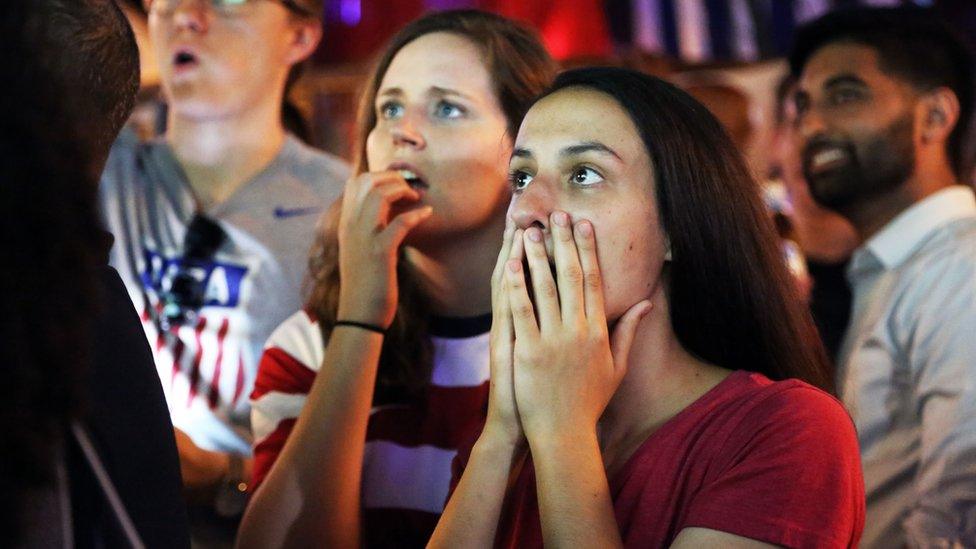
(824, 158)
(184, 59)
(828, 159)
(413, 179)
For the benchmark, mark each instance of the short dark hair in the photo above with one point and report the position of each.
(90, 46)
(732, 301)
(913, 45)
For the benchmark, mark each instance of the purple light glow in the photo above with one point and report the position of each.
(351, 12)
(449, 4)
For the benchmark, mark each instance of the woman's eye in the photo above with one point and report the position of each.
(519, 180)
(446, 109)
(585, 177)
(391, 110)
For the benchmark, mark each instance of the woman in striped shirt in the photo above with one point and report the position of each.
(362, 399)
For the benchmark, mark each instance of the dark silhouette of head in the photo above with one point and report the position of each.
(89, 47)
(52, 240)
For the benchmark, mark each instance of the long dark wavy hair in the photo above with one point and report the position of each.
(731, 299)
(51, 245)
(521, 69)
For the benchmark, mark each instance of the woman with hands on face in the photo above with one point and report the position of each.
(362, 400)
(655, 380)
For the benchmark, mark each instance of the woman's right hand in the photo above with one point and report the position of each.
(503, 419)
(372, 225)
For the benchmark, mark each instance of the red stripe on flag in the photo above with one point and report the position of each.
(280, 372)
(195, 368)
(145, 316)
(178, 349)
(240, 378)
(174, 368)
(215, 383)
(266, 452)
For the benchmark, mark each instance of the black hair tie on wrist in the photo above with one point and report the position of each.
(362, 325)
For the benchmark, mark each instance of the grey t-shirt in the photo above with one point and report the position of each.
(207, 367)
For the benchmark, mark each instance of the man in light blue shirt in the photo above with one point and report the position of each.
(883, 101)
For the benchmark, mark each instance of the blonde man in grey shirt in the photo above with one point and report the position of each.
(212, 223)
(884, 96)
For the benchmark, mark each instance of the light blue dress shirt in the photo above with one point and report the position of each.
(907, 373)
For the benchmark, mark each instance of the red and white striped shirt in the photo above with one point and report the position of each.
(409, 448)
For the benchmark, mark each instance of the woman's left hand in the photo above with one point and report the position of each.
(566, 364)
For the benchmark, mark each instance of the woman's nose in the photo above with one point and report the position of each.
(405, 133)
(532, 206)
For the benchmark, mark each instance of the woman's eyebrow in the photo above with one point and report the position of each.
(390, 92)
(442, 91)
(433, 91)
(589, 146)
(572, 150)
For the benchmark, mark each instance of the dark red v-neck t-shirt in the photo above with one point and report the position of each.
(773, 461)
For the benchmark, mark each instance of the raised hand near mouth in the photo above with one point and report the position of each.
(370, 234)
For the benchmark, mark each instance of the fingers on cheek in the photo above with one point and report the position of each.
(584, 235)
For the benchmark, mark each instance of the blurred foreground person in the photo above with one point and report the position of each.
(884, 98)
(89, 457)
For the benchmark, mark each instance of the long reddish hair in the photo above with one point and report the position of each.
(521, 69)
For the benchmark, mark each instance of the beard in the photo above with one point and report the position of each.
(869, 168)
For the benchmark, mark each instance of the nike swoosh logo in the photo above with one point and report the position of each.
(282, 213)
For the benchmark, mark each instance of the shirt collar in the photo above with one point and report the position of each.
(906, 232)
